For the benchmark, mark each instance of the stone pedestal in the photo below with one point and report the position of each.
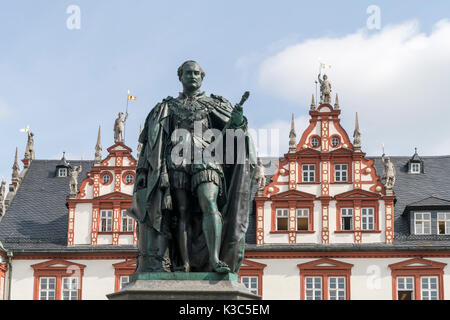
(184, 286)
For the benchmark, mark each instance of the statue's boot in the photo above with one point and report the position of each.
(212, 229)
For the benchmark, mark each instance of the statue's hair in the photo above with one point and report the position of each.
(180, 69)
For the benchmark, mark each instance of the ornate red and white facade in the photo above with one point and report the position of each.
(97, 215)
(325, 191)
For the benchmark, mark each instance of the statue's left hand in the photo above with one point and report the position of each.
(237, 116)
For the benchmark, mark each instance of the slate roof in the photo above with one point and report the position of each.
(36, 220)
(37, 216)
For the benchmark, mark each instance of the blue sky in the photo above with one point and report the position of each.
(65, 83)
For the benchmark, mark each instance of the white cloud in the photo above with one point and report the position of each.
(272, 139)
(397, 79)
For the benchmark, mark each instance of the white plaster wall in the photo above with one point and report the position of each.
(23, 279)
(310, 188)
(128, 189)
(339, 188)
(89, 190)
(104, 239)
(125, 239)
(99, 279)
(83, 223)
(332, 220)
(281, 279)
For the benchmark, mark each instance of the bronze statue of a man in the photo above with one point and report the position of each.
(192, 210)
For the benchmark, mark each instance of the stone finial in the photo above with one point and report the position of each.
(357, 136)
(336, 103)
(29, 149)
(98, 148)
(73, 182)
(325, 90)
(260, 177)
(2, 197)
(292, 137)
(139, 147)
(119, 128)
(15, 168)
(388, 173)
(313, 104)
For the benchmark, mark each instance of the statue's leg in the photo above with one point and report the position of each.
(182, 205)
(152, 248)
(212, 224)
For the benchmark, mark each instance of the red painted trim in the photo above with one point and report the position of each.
(106, 173)
(125, 268)
(124, 175)
(57, 268)
(334, 268)
(409, 268)
(343, 254)
(253, 269)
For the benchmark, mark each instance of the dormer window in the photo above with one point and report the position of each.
(62, 168)
(315, 142)
(415, 164)
(415, 167)
(62, 172)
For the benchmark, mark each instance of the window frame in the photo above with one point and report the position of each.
(58, 269)
(101, 219)
(405, 289)
(352, 223)
(250, 268)
(446, 223)
(417, 169)
(337, 289)
(285, 210)
(308, 171)
(47, 290)
(61, 170)
(70, 289)
(418, 268)
(250, 277)
(336, 171)
(325, 268)
(308, 217)
(128, 221)
(121, 269)
(367, 216)
(415, 220)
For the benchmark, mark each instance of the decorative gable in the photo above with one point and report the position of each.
(325, 264)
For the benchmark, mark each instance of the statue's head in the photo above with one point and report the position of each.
(325, 77)
(191, 75)
(120, 114)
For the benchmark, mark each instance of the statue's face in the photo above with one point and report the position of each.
(325, 77)
(191, 78)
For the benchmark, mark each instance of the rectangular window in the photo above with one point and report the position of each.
(429, 288)
(302, 219)
(313, 288)
(282, 219)
(106, 218)
(70, 288)
(347, 219)
(367, 219)
(415, 167)
(340, 172)
(336, 288)
(251, 283)
(405, 288)
(422, 223)
(443, 223)
(309, 171)
(127, 222)
(47, 288)
(62, 172)
(124, 280)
